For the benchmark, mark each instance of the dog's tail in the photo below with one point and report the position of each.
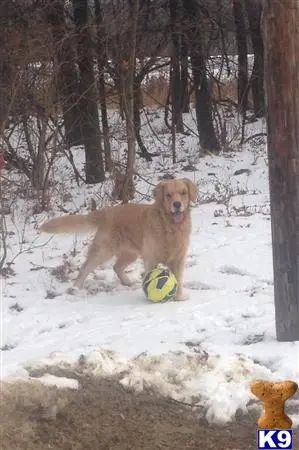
(74, 223)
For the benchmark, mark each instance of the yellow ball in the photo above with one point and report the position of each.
(159, 285)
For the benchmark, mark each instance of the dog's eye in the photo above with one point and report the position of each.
(168, 195)
(183, 193)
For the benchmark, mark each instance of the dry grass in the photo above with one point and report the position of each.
(155, 92)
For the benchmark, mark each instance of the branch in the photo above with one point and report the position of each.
(254, 136)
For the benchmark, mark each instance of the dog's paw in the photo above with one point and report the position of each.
(181, 296)
(126, 281)
(74, 290)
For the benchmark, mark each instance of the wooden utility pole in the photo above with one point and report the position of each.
(281, 38)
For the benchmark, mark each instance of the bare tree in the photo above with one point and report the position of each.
(102, 60)
(254, 11)
(175, 65)
(32, 104)
(89, 115)
(185, 97)
(127, 86)
(119, 44)
(203, 105)
(282, 92)
(8, 85)
(148, 61)
(241, 38)
(66, 73)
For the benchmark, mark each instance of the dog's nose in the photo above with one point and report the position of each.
(177, 205)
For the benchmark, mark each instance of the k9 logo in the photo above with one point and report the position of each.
(274, 439)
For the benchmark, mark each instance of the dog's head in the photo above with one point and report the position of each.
(174, 196)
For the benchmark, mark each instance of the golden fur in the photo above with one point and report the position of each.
(158, 233)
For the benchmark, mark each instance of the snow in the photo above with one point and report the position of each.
(60, 382)
(203, 351)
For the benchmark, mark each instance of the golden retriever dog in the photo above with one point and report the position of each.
(158, 233)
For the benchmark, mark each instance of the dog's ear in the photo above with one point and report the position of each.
(159, 192)
(192, 189)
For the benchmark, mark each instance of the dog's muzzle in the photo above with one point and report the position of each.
(177, 212)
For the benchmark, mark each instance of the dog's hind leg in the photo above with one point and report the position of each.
(122, 262)
(98, 253)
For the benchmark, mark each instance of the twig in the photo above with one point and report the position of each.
(32, 247)
(135, 173)
(254, 136)
(180, 402)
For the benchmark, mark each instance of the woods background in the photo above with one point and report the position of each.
(65, 65)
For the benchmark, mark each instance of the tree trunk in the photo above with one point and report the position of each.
(101, 54)
(7, 71)
(89, 117)
(39, 162)
(203, 106)
(254, 11)
(137, 122)
(176, 91)
(185, 98)
(282, 93)
(105, 123)
(241, 38)
(6, 75)
(67, 79)
(176, 101)
(127, 87)
(207, 137)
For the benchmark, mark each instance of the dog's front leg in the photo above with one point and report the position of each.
(178, 267)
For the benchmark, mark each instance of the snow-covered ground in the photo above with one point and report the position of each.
(205, 350)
